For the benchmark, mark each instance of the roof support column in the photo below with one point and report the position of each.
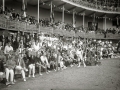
(94, 23)
(105, 22)
(74, 19)
(51, 14)
(51, 7)
(94, 18)
(38, 17)
(63, 14)
(3, 5)
(83, 20)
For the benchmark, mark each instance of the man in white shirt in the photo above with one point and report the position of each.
(8, 48)
(36, 46)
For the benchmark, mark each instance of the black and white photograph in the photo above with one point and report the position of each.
(59, 44)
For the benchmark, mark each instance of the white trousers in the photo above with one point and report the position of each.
(32, 69)
(21, 71)
(80, 57)
(11, 73)
(61, 64)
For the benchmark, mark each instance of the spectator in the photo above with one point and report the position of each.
(8, 48)
(20, 66)
(10, 65)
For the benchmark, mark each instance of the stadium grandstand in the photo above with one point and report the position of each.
(59, 38)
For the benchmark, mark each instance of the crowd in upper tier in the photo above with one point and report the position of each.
(30, 54)
(12, 15)
(111, 5)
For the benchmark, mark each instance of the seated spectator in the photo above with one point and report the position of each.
(53, 58)
(1, 47)
(113, 31)
(20, 66)
(31, 62)
(38, 63)
(105, 53)
(61, 62)
(10, 65)
(2, 69)
(8, 48)
(44, 61)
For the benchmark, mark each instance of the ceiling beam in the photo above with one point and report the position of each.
(82, 11)
(59, 5)
(103, 15)
(44, 2)
(72, 8)
(91, 14)
(115, 16)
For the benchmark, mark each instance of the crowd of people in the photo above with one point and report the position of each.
(110, 30)
(112, 5)
(10, 14)
(28, 54)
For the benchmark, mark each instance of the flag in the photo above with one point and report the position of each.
(24, 7)
(52, 17)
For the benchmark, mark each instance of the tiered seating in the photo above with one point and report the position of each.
(112, 5)
(29, 24)
(22, 26)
